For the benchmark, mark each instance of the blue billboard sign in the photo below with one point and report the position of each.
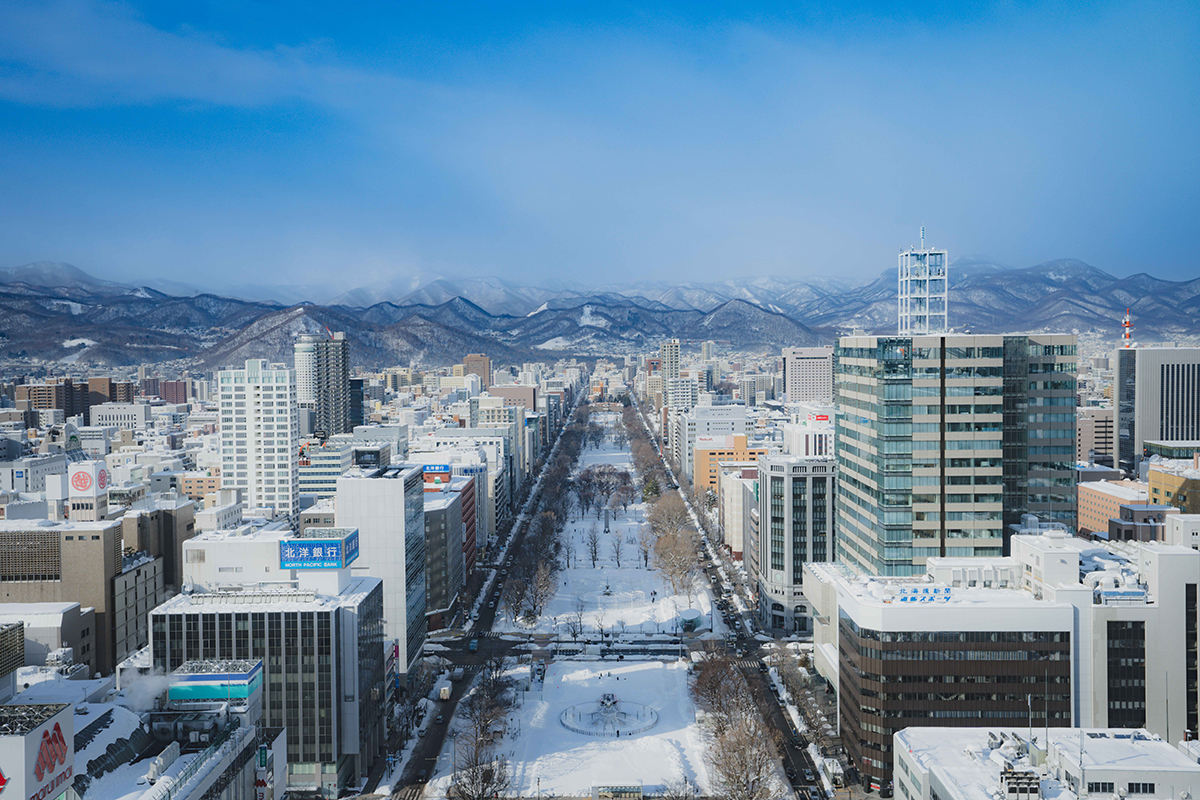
(437, 468)
(318, 553)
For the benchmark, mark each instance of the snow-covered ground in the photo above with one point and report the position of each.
(568, 763)
(618, 594)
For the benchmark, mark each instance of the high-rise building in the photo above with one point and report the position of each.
(706, 351)
(329, 362)
(73, 399)
(107, 390)
(444, 563)
(260, 434)
(923, 290)
(175, 391)
(808, 374)
(291, 602)
(478, 364)
(1158, 398)
(387, 506)
(668, 354)
(304, 352)
(944, 441)
(795, 507)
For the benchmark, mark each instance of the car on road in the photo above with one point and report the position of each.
(422, 775)
(473, 646)
(808, 776)
(440, 719)
(762, 666)
(491, 604)
(791, 773)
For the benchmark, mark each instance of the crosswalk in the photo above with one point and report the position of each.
(412, 792)
(748, 663)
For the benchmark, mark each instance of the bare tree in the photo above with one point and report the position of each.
(617, 548)
(645, 544)
(575, 620)
(742, 762)
(545, 581)
(599, 617)
(669, 515)
(678, 789)
(568, 547)
(593, 543)
(675, 556)
(481, 773)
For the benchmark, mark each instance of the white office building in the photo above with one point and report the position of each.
(387, 506)
(260, 433)
(808, 374)
(668, 353)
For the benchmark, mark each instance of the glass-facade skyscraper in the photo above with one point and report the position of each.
(943, 441)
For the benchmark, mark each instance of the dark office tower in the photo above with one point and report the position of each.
(944, 441)
(356, 402)
(1157, 399)
(323, 380)
(150, 387)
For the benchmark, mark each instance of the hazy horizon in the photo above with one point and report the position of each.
(608, 144)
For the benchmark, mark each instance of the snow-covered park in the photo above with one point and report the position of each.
(627, 599)
(544, 753)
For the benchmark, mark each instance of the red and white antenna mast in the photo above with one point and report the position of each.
(1127, 324)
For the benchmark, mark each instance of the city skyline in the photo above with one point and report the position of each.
(605, 144)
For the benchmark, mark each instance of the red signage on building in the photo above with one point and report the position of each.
(52, 753)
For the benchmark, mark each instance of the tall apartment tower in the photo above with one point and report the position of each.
(944, 441)
(324, 364)
(808, 374)
(706, 351)
(1157, 398)
(922, 291)
(481, 365)
(668, 353)
(260, 435)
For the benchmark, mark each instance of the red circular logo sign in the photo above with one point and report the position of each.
(81, 481)
(102, 478)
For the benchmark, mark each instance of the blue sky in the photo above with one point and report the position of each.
(226, 143)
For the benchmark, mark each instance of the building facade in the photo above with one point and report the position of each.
(808, 374)
(943, 441)
(388, 508)
(1157, 397)
(260, 433)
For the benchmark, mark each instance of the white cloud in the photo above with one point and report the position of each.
(80, 53)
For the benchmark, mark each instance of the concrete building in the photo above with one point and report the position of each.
(1100, 501)
(320, 641)
(705, 421)
(126, 416)
(61, 394)
(710, 451)
(50, 628)
(109, 390)
(1176, 483)
(320, 465)
(325, 363)
(983, 763)
(1182, 530)
(260, 435)
(1140, 523)
(1094, 434)
(730, 510)
(795, 509)
(1157, 397)
(668, 355)
(83, 562)
(388, 509)
(943, 441)
(808, 374)
(444, 564)
(478, 364)
(1081, 616)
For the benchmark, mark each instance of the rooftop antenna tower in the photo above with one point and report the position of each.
(1127, 324)
(923, 291)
